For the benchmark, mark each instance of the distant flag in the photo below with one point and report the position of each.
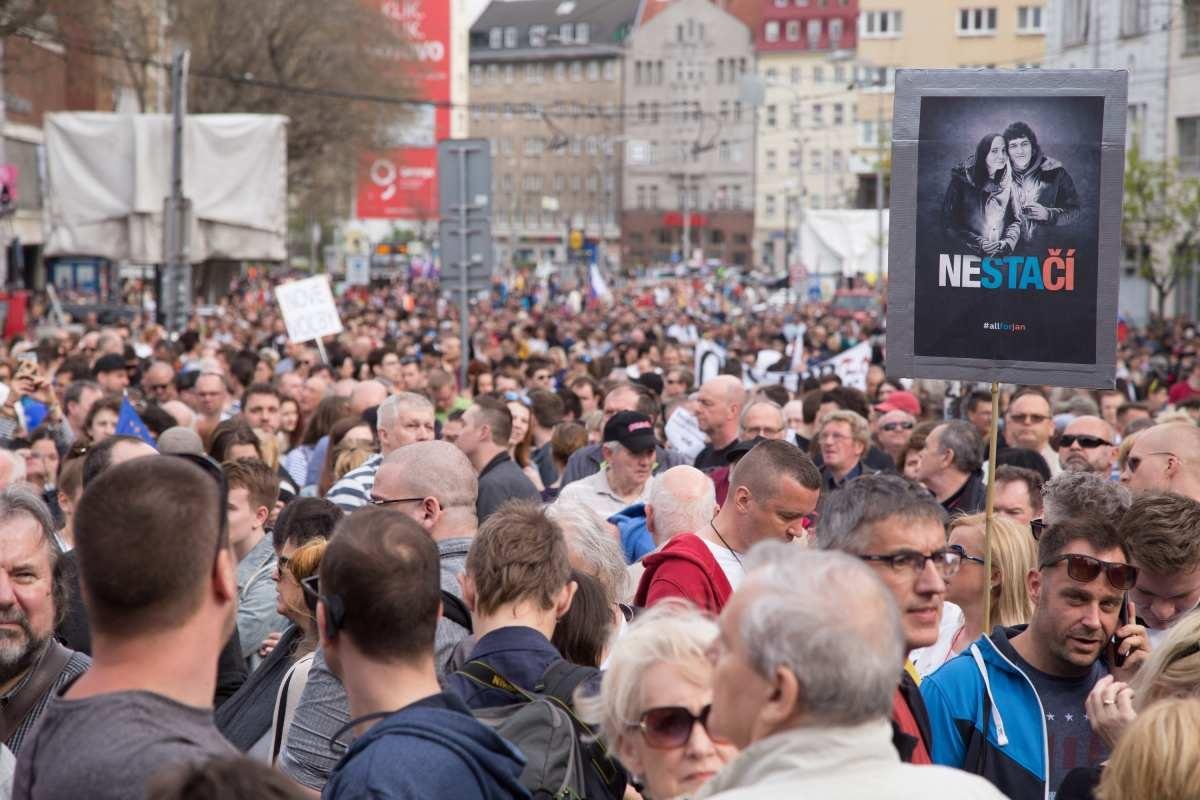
(129, 423)
(599, 288)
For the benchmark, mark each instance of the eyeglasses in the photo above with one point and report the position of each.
(668, 727)
(1028, 419)
(1133, 462)
(157, 387)
(896, 426)
(379, 501)
(1086, 442)
(958, 548)
(1084, 569)
(1038, 526)
(762, 431)
(333, 603)
(946, 562)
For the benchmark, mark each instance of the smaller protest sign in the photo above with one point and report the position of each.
(358, 270)
(308, 309)
(710, 358)
(684, 434)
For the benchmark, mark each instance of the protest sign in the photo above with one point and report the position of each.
(308, 309)
(684, 434)
(710, 358)
(1005, 225)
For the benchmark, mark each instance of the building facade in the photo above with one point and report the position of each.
(546, 84)
(806, 118)
(688, 180)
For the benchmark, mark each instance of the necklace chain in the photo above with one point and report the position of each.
(712, 524)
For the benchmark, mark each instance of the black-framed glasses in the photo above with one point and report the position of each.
(1038, 527)
(380, 502)
(669, 727)
(962, 553)
(946, 561)
(333, 603)
(1084, 569)
(1086, 442)
(1133, 462)
(891, 427)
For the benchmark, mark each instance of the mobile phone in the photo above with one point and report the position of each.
(1123, 619)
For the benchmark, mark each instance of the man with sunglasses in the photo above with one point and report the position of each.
(892, 432)
(809, 711)
(1087, 446)
(1165, 458)
(1011, 708)
(1028, 425)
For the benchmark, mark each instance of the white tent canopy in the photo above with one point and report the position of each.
(108, 175)
(842, 242)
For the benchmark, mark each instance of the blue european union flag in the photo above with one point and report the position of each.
(130, 424)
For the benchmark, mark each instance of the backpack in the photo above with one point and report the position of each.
(563, 759)
(455, 610)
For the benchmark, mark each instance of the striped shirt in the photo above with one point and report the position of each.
(76, 666)
(354, 490)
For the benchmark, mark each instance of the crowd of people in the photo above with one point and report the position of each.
(233, 565)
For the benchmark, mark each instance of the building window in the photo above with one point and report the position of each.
(793, 30)
(1076, 17)
(510, 37)
(835, 32)
(610, 70)
(880, 24)
(737, 110)
(724, 110)
(1135, 17)
(839, 114)
(654, 113)
(593, 70)
(814, 33)
(770, 205)
(593, 148)
(576, 183)
(1187, 131)
(818, 115)
(592, 184)
(641, 111)
(794, 116)
(560, 71)
(641, 197)
(1191, 26)
(583, 33)
(770, 116)
(818, 75)
(795, 76)
(537, 35)
(835, 161)
(576, 71)
(496, 38)
(476, 74)
(654, 197)
(771, 31)
(510, 73)
(566, 33)
(976, 21)
(771, 161)
(781, 3)
(1029, 19)
(817, 161)
(794, 158)
(720, 70)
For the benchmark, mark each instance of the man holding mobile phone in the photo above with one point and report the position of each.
(1160, 532)
(1012, 708)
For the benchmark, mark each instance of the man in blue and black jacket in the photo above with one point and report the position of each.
(1011, 707)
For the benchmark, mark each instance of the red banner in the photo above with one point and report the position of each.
(674, 219)
(401, 182)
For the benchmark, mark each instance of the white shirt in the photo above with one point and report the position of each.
(729, 563)
(596, 492)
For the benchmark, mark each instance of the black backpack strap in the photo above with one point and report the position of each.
(485, 676)
(455, 610)
(562, 678)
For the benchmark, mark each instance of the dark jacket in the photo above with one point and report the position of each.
(587, 460)
(431, 748)
(970, 499)
(247, 716)
(520, 654)
(964, 210)
(1046, 182)
(684, 567)
(499, 481)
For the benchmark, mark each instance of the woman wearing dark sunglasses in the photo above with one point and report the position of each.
(654, 701)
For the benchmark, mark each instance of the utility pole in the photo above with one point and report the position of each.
(879, 81)
(3, 160)
(177, 280)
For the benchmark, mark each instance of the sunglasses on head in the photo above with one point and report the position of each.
(1085, 569)
(896, 426)
(1086, 442)
(668, 727)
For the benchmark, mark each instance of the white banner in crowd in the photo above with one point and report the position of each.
(308, 309)
(684, 434)
(710, 357)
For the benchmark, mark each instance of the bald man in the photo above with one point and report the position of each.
(1087, 445)
(681, 500)
(1165, 458)
(367, 394)
(718, 411)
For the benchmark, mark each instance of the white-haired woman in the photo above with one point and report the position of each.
(654, 699)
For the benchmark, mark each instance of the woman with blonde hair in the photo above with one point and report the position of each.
(654, 700)
(1014, 554)
(1156, 758)
(1114, 708)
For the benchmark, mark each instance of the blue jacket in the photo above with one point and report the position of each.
(432, 748)
(636, 540)
(520, 654)
(985, 717)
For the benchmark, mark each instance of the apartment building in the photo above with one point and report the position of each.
(546, 88)
(805, 121)
(688, 180)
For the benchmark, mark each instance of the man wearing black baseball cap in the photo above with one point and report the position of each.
(629, 457)
(109, 371)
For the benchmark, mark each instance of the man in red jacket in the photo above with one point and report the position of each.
(773, 490)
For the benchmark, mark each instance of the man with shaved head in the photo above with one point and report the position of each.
(1165, 458)
(1088, 445)
(681, 500)
(718, 410)
(367, 394)
(772, 490)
